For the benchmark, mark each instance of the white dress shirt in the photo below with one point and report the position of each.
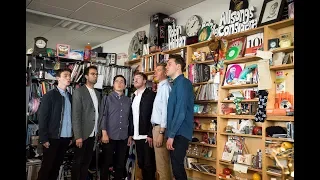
(136, 113)
(160, 104)
(95, 104)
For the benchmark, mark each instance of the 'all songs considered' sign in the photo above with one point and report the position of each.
(236, 21)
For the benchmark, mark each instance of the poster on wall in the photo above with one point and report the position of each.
(272, 11)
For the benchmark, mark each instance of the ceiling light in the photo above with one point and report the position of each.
(76, 21)
(65, 24)
(79, 28)
(74, 25)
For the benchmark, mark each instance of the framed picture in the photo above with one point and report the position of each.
(271, 11)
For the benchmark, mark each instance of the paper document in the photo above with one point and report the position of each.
(265, 81)
(240, 168)
(99, 83)
(264, 54)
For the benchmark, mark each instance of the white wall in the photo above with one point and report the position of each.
(209, 9)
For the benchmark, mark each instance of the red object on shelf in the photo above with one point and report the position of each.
(226, 171)
(257, 130)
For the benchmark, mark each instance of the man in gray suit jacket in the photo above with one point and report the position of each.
(85, 115)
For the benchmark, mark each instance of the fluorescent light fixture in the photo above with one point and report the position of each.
(76, 21)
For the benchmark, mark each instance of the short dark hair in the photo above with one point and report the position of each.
(59, 71)
(86, 70)
(124, 79)
(178, 60)
(163, 65)
(144, 76)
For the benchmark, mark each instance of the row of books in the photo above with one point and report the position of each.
(206, 92)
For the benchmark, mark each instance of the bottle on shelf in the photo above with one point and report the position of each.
(87, 52)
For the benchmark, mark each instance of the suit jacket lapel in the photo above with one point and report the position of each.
(88, 94)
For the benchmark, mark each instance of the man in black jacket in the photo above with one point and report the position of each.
(55, 128)
(140, 128)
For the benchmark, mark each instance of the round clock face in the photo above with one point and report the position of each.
(41, 43)
(193, 25)
(273, 44)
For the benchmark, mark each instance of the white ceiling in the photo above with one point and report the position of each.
(124, 15)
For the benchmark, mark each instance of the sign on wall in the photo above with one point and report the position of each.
(175, 37)
(236, 21)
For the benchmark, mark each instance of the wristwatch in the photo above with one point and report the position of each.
(161, 132)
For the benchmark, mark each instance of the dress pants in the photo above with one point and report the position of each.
(180, 145)
(162, 156)
(146, 159)
(114, 155)
(82, 160)
(53, 158)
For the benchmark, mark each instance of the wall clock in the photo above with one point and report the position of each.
(136, 44)
(40, 46)
(193, 25)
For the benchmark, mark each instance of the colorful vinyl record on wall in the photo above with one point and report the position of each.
(232, 53)
(204, 33)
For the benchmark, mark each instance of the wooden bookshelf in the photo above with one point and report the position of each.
(253, 142)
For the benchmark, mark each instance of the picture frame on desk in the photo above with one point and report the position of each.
(271, 12)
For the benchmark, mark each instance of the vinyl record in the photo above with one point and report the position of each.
(285, 104)
(232, 53)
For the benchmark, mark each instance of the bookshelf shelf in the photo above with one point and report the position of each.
(243, 101)
(203, 144)
(286, 49)
(231, 165)
(242, 60)
(280, 118)
(189, 169)
(134, 61)
(205, 101)
(204, 62)
(281, 24)
(282, 67)
(199, 44)
(205, 115)
(239, 86)
(274, 174)
(237, 116)
(201, 130)
(201, 83)
(242, 135)
(204, 158)
(279, 139)
(174, 51)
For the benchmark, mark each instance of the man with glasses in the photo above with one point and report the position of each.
(116, 110)
(85, 115)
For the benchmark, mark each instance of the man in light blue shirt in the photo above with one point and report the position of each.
(159, 122)
(66, 128)
(55, 129)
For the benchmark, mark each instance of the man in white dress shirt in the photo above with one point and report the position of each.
(140, 127)
(159, 123)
